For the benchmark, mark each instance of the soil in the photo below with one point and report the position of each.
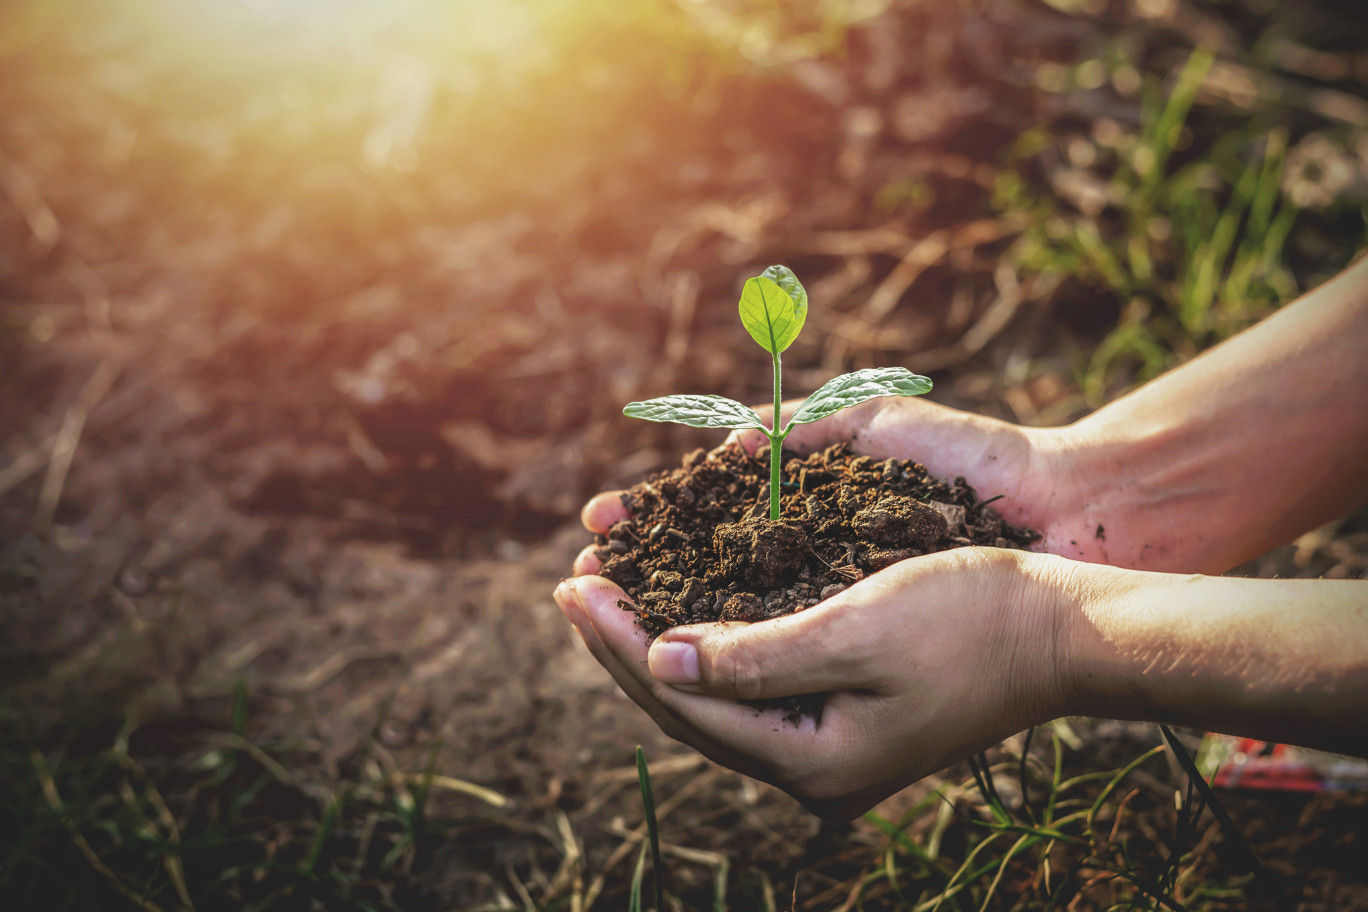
(326, 424)
(699, 545)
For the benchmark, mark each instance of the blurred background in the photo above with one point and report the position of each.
(316, 322)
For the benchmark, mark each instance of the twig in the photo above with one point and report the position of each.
(487, 795)
(67, 438)
(994, 320)
(926, 253)
(54, 801)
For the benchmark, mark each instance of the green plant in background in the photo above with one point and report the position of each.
(773, 309)
(1194, 251)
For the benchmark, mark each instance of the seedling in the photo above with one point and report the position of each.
(773, 309)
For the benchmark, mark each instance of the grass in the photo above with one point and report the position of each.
(232, 824)
(213, 820)
(1071, 841)
(653, 833)
(1182, 228)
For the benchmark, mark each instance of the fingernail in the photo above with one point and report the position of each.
(565, 598)
(674, 663)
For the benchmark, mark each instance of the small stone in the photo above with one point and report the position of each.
(833, 589)
(816, 510)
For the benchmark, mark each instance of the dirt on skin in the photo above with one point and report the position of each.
(698, 544)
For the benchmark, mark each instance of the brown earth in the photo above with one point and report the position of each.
(698, 544)
(294, 439)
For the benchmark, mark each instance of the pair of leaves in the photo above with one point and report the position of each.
(834, 395)
(773, 309)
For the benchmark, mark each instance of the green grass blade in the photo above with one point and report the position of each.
(634, 896)
(1116, 780)
(325, 828)
(652, 830)
(1242, 848)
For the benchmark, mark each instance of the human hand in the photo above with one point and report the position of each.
(926, 662)
(1032, 468)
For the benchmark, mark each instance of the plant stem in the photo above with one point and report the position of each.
(776, 440)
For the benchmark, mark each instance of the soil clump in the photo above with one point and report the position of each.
(698, 544)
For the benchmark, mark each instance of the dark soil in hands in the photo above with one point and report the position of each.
(699, 545)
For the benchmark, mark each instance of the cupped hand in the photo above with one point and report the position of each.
(925, 663)
(1031, 468)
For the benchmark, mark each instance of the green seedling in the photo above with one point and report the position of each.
(773, 309)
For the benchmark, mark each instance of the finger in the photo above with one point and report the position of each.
(823, 649)
(602, 511)
(619, 644)
(801, 758)
(811, 760)
(629, 643)
(587, 562)
(622, 646)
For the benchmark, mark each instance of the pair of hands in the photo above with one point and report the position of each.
(1235, 452)
(926, 662)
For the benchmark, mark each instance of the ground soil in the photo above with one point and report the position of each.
(293, 440)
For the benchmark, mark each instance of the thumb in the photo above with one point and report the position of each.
(798, 654)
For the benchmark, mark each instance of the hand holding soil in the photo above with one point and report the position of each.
(926, 662)
(939, 655)
(1027, 467)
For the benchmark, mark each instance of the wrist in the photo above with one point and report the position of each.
(1046, 615)
(1137, 492)
(1278, 660)
(1094, 678)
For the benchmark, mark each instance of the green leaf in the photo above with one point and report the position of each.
(787, 280)
(696, 411)
(852, 389)
(773, 308)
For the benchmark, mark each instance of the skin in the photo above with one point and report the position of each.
(937, 657)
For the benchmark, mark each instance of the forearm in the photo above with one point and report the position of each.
(1280, 660)
(1239, 450)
